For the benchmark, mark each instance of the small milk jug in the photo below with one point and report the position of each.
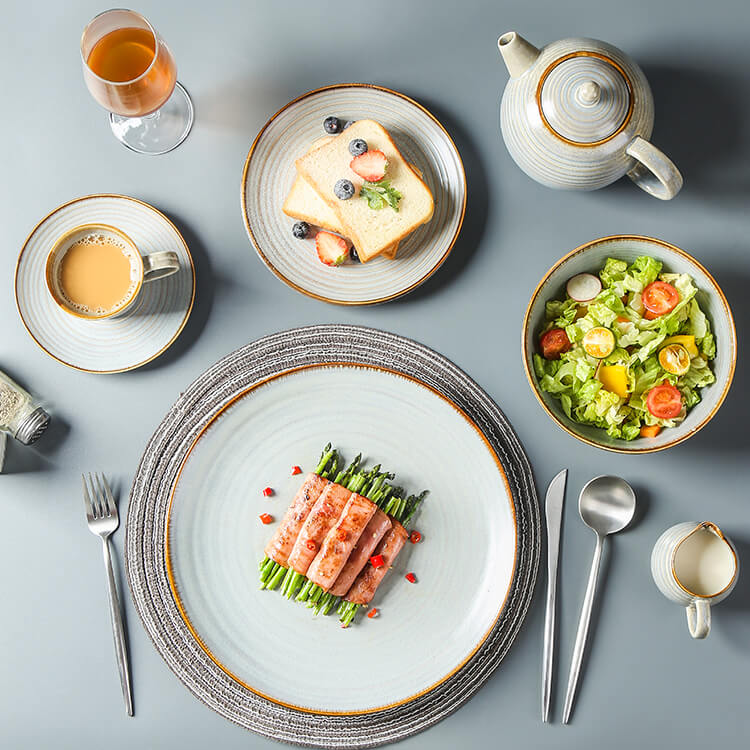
(695, 565)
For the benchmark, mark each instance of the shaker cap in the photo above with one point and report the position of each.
(585, 98)
(31, 429)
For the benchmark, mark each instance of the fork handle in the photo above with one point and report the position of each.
(121, 649)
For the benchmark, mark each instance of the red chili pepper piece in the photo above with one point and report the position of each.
(266, 518)
(377, 561)
(415, 537)
(296, 470)
(373, 613)
(267, 492)
(411, 578)
(310, 544)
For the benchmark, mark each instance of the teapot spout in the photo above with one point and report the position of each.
(518, 54)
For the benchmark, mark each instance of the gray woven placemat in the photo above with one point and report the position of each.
(147, 513)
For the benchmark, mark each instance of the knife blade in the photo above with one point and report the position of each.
(553, 512)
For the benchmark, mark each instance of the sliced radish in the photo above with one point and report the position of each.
(583, 287)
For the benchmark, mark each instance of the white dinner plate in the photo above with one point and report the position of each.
(269, 173)
(424, 631)
(127, 341)
(194, 537)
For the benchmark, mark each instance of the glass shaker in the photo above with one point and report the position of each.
(20, 415)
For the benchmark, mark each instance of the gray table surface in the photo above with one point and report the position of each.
(646, 682)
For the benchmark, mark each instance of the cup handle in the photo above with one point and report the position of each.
(161, 264)
(654, 171)
(699, 618)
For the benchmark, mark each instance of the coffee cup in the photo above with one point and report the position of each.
(695, 565)
(95, 271)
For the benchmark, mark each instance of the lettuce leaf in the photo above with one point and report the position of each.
(644, 270)
(614, 270)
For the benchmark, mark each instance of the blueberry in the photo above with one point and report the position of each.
(301, 229)
(332, 125)
(348, 123)
(353, 255)
(343, 189)
(357, 146)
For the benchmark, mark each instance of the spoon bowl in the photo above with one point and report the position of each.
(607, 504)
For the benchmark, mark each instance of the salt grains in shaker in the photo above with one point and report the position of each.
(20, 415)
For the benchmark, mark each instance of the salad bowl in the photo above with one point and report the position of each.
(590, 258)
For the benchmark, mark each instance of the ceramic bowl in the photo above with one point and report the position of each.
(590, 258)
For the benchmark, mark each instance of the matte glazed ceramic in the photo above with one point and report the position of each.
(146, 329)
(200, 407)
(590, 258)
(269, 173)
(665, 569)
(424, 631)
(578, 114)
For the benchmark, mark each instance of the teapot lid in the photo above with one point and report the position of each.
(585, 98)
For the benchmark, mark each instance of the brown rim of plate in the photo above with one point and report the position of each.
(610, 61)
(173, 585)
(289, 282)
(78, 200)
(530, 375)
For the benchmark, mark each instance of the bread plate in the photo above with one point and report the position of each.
(270, 171)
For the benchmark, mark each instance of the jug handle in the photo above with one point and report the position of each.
(654, 171)
(699, 618)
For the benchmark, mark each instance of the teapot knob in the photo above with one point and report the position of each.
(588, 93)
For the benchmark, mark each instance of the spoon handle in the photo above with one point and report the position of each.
(583, 628)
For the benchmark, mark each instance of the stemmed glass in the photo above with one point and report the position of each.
(130, 71)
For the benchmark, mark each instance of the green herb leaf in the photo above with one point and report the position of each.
(378, 194)
(374, 199)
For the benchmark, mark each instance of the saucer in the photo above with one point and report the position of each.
(269, 173)
(113, 344)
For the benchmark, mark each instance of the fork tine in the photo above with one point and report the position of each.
(87, 499)
(101, 511)
(100, 494)
(95, 501)
(111, 504)
(104, 494)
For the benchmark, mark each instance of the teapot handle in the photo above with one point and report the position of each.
(654, 171)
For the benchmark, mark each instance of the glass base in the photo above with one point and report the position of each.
(160, 131)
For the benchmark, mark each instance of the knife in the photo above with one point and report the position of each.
(553, 512)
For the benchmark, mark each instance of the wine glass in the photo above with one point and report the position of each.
(130, 71)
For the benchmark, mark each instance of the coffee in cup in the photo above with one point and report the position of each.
(96, 271)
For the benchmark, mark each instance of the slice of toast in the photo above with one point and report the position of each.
(370, 230)
(304, 204)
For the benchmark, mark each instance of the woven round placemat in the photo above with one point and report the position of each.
(149, 502)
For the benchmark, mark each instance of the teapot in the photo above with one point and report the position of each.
(578, 113)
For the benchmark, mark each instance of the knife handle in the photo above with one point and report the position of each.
(553, 548)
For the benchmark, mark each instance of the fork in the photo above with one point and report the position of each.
(103, 520)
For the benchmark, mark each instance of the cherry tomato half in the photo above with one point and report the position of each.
(554, 343)
(664, 401)
(659, 298)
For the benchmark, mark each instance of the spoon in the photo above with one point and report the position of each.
(606, 505)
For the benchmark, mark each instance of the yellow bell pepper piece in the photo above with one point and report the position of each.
(687, 341)
(614, 378)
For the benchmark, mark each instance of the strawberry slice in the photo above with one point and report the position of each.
(332, 249)
(370, 166)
